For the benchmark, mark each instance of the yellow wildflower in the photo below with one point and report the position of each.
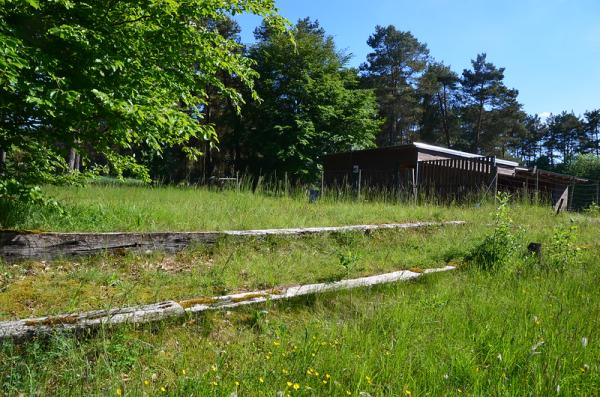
(163, 389)
(348, 392)
(261, 379)
(146, 382)
(289, 384)
(119, 391)
(296, 386)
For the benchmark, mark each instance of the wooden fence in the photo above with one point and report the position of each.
(454, 179)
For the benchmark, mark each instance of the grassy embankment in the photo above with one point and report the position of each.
(520, 330)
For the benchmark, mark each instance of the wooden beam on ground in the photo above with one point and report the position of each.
(23, 245)
(27, 328)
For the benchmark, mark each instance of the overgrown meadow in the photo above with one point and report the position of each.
(506, 322)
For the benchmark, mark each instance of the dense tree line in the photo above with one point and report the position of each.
(168, 91)
(312, 104)
(421, 99)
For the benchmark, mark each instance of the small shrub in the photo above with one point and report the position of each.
(348, 260)
(562, 252)
(500, 245)
(592, 210)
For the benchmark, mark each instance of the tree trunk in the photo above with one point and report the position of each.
(444, 111)
(77, 161)
(2, 160)
(71, 159)
(478, 128)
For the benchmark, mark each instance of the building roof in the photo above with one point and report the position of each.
(549, 175)
(453, 152)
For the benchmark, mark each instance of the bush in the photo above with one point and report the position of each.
(500, 245)
(562, 253)
(592, 210)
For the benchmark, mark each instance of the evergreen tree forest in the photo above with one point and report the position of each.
(171, 94)
(311, 104)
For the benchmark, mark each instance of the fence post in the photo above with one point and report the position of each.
(570, 196)
(414, 182)
(537, 186)
(495, 181)
(285, 182)
(322, 182)
(359, 183)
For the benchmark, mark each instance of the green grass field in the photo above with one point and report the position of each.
(523, 329)
(138, 208)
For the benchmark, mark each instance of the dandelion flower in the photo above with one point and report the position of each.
(237, 383)
(119, 392)
(289, 384)
(296, 386)
(146, 382)
(183, 372)
(348, 392)
(163, 389)
(261, 379)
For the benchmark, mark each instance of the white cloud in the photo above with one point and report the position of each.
(544, 115)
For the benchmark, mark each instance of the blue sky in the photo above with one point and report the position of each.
(550, 48)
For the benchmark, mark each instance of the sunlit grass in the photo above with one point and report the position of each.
(520, 330)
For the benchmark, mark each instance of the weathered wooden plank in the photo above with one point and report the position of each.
(30, 327)
(19, 246)
(27, 328)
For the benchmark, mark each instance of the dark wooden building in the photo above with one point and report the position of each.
(419, 168)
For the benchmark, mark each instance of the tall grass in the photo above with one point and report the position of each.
(132, 208)
(469, 333)
(525, 328)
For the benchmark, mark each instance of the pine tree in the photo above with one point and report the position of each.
(440, 100)
(393, 69)
(491, 109)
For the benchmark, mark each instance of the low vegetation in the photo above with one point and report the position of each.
(106, 208)
(527, 325)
